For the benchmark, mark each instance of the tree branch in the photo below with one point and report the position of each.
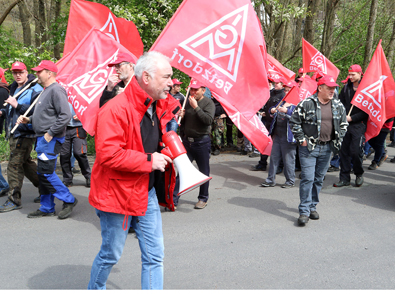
(7, 11)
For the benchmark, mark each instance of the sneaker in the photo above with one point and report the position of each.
(287, 186)
(341, 184)
(359, 181)
(258, 167)
(314, 215)
(4, 191)
(216, 152)
(200, 205)
(68, 185)
(67, 209)
(267, 184)
(38, 213)
(243, 152)
(76, 171)
(131, 230)
(370, 152)
(303, 219)
(88, 183)
(392, 144)
(393, 159)
(37, 199)
(9, 206)
(254, 155)
(168, 209)
(373, 166)
(383, 158)
(333, 169)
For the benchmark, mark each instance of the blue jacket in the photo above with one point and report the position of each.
(290, 109)
(24, 101)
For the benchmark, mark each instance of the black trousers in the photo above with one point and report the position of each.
(352, 151)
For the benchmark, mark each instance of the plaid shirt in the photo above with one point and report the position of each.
(306, 122)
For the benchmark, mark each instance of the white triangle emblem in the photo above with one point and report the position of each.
(221, 43)
(377, 86)
(319, 61)
(110, 28)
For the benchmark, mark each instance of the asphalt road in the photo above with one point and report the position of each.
(246, 238)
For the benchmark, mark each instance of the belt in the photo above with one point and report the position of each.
(192, 140)
(323, 142)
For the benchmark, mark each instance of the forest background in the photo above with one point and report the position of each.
(345, 31)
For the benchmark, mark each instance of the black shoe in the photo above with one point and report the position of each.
(9, 206)
(332, 169)
(258, 167)
(88, 183)
(131, 230)
(341, 184)
(314, 215)
(287, 186)
(243, 152)
(266, 184)
(373, 166)
(383, 158)
(37, 199)
(67, 209)
(4, 191)
(393, 159)
(392, 144)
(303, 219)
(38, 213)
(68, 185)
(359, 181)
(76, 171)
(216, 152)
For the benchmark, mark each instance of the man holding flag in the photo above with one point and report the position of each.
(319, 125)
(352, 147)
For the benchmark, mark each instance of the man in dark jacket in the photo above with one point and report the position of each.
(21, 141)
(352, 147)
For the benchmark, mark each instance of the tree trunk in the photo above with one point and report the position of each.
(7, 11)
(329, 22)
(370, 34)
(312, 6)
(391, 47)
(58, 7)
(39, 22)
(298, 30)
(24, 17)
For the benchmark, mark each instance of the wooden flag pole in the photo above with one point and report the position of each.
(27, 111)
(352, 105)
(183, 104)
(20, 92)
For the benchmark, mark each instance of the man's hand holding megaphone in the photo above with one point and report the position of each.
(159, 161)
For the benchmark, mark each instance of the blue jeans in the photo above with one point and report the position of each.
(314, 166)
(3, 183)
(377, 144)
(172, 125)
(149, 233)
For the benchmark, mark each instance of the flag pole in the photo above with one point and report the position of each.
(183, 104)
(26, 113)
(352, 106)
(20, 92)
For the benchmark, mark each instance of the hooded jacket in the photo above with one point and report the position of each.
(120, 174)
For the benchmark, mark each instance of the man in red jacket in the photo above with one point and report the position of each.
(127, 170)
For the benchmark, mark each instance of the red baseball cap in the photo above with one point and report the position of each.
(301, 70)
(279, 80)
(318, 75)
(122, 57)
(46, 64)
(327, 80)
(355, 68)
(291, 84)
(195, 84)
(176, 82)
(17, 65)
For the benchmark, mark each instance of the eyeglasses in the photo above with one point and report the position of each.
(16, 73)
(118, 66)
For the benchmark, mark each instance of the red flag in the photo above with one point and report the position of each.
(84, 74)
(85, 15)
(375, 94)
(307, 88)
(313, 60)
(293, 96)
(224, 49)
(2, 71)
(276, 70)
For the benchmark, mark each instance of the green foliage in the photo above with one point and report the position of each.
(4, 148)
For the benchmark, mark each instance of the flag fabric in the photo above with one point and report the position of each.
(376, 93)
(275, 70)
(307, 88)
(85, 15)
(224, 49)
(313, 61)
(293, 96)
(3, 80)
(84, 74)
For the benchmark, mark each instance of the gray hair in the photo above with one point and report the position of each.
(148, 62)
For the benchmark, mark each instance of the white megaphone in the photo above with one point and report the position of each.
(190, 177)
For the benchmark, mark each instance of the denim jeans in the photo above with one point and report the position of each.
(3, 183)
(172, 125)
(377, 144)
(314, 166)
(149, 233)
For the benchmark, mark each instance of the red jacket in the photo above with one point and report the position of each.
(120, 174)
